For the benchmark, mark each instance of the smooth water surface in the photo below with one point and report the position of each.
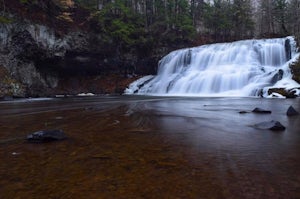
(149, 147)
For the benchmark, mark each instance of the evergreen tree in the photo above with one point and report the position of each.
(242, 19)
(280, 15)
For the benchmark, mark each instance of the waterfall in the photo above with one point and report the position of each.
(242, 68)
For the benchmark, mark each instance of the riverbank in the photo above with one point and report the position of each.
(98, 85)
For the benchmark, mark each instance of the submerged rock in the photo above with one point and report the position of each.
(260, 110)
(291, 111)
(271, 125)
(46, 136)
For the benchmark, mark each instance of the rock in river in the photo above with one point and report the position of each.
(46, 136)
(271, 125)
(243, 112)
(260, 110)
(291, 111)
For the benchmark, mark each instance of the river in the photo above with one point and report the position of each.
(149, 147)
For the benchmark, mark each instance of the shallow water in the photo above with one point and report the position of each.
(149, 147)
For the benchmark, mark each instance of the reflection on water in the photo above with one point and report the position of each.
(149, 147)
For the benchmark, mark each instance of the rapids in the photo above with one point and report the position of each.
(242, 68)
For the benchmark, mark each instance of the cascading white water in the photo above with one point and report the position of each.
(242, 68)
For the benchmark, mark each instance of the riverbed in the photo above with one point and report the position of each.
(149, 147)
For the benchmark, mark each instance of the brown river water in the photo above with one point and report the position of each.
(149, 147)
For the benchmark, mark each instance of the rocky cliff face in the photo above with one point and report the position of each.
(40, 59)
(50, 47)
(22, 47)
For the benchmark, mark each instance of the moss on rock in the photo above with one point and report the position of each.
(10, 86)
(4, 20)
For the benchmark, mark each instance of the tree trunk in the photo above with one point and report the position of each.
(3, 4)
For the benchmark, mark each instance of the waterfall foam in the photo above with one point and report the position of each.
(242, 68)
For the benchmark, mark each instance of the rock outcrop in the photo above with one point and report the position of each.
(288, 93)
(270, 125)
(46, 136)
(39, 59)
(291, 111)
(45, 44)
(261, 111)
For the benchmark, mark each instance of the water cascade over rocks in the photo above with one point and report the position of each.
(242, 68)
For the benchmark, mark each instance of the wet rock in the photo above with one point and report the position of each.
(288, 50)
(282, 91)
(262, 111)
(46, 136)
(243, 112)
(291, 111)
(271, 125)
(278, 76)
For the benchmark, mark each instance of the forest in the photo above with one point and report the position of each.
(150, 24)
(194, 20)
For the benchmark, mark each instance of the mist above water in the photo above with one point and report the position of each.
(242, 68)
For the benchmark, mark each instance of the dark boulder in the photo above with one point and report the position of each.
(271, 125)
(288, 50)
(46, 136)
(243, 112)
(291, 111)
(278, 76)
(262, 111)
